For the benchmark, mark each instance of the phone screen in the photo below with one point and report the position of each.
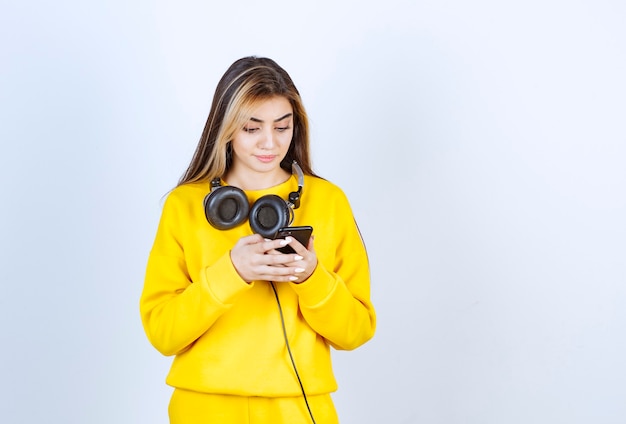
(302, 234)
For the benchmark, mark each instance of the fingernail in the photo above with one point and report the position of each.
(297, 258)
(285, 241)
(299, 270)
(293, 278)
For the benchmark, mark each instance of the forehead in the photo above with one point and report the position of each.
(271, 108)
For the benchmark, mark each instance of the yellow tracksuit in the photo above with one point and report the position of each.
(226, 334)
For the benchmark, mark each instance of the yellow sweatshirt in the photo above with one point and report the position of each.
(226, 334)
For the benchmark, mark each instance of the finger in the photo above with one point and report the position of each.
(286, 278)
(294, 260)
(281, 274)
(281, 259)
(297, 246)
(272, 245)
(251, 239)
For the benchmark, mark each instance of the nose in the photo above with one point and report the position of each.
(266, 141)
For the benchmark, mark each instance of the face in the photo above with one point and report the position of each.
(262, 143)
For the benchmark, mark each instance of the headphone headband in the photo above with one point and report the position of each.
(294, 197)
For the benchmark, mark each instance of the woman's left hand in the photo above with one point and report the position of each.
(308, 263)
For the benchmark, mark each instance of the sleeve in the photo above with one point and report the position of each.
(335, 299)
(175, 310)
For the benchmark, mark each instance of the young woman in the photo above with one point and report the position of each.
(251, 327)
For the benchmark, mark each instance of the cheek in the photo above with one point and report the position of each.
(287, 137)
(240, 143)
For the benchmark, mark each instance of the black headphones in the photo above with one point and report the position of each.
(227, 207)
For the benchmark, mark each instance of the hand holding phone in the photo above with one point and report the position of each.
(302, 234)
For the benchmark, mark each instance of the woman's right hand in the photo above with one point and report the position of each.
(256, 258)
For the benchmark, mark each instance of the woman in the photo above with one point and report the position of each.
(251, 327)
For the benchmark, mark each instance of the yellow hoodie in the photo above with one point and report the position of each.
(226, 334)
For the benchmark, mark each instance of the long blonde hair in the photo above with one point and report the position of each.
(245, 83)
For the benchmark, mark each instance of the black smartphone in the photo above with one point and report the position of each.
(302, 234)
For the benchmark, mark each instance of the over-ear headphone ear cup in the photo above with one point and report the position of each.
(268, 215)
(226, 207)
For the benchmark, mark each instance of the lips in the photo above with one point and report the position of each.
(266, 158)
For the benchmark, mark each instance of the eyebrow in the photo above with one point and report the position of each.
(253, 119)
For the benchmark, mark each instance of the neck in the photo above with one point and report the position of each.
(256, 181)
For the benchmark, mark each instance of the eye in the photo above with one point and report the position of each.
(251, 129)
(282, 129)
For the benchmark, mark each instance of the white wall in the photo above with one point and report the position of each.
(482, 145)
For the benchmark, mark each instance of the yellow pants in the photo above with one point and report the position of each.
(187, 407)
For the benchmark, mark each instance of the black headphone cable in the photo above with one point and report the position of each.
(282, 321)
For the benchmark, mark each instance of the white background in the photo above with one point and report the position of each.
(482, 145)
